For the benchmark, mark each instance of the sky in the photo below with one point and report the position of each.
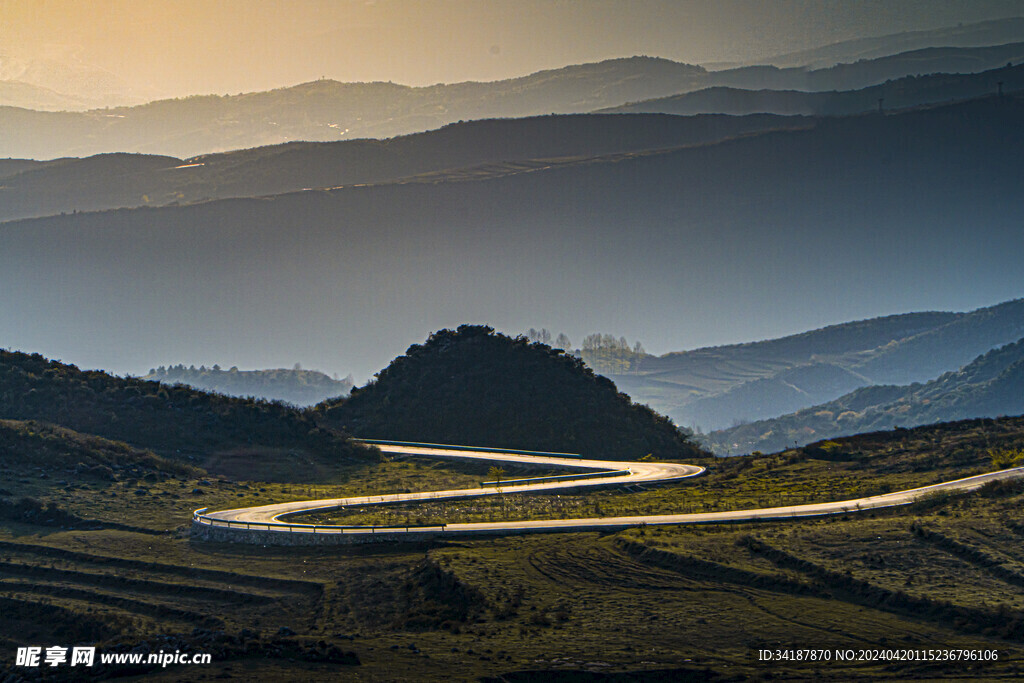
(182, 47)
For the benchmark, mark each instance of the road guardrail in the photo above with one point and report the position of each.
(199, 518)
(480, 449)
(557, 477)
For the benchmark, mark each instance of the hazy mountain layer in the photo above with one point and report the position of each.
(992, 385)
(331, 111)
(740, 239)
(905, 92)
(864, 73)
(298, 387)
(477, 148)
(994, 32)
(29, 96)
(716, 388)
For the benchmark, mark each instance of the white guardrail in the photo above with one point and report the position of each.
(199, 518)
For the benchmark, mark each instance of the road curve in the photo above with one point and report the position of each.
(268, 518)
(639, 473)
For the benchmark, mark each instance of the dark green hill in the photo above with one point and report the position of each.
(245, 438)
(298, 387)
(52, 450)
(475, 387)
(990, 386)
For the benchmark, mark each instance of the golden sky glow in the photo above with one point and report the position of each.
(178, 47)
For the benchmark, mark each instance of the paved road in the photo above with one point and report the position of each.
(263, 517)
(639, 473)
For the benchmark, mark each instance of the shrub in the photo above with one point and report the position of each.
(1006, 458)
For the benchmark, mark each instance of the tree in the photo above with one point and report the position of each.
(563, 342)
(496, 473)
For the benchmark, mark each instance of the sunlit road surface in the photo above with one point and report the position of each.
(639, 473)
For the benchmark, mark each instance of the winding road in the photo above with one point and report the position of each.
(263, 524)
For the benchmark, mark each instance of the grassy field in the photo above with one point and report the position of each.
(676, 603)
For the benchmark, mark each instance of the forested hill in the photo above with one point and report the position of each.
(476, 387)
(175, 421)
(298, 387)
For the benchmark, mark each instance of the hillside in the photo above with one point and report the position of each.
(932, 352)
(247, 438)
(716, 388)
(990, 386)
(34, 448)
(110, 181)
(476, 387)
(909, 91)
(298, 387)
(734, 231)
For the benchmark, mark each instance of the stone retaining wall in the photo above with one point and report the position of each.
(225, 534)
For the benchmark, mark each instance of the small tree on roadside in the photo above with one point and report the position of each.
(496, 473)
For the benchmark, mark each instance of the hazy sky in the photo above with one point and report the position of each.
(185, 47)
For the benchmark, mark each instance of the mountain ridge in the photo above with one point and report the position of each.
(902, 93)
(992, 385)
(328, 110)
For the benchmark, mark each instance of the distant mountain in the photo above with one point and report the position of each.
(716, 388)
(297, 387)
(867, 213)
(909, 91)
(992, 385)
(29, 96)
(244, 438)
(712, 388)
(476, 387)
(58, 80)
(473, 149)
(330, 111)
(779, 393)
(993, 32)
(865, 73)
